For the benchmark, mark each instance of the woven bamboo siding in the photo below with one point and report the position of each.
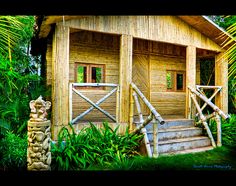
(140, 76)
(168, 29)
(121, 126)
(166, 103)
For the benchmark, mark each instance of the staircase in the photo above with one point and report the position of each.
(179, 136)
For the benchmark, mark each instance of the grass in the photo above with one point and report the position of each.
(220, 158)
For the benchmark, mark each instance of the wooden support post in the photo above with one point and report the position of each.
(60, 78)
(218, 123)
(131, 109)
(190, 78)
(221, 79)
(125, 75)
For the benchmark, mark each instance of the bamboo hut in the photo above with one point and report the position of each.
(91, 61)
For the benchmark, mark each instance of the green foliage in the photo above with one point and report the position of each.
(228, 130)
(19, 82)
(13, 151)
(93, 147)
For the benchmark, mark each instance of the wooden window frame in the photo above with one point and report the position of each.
(175, 72)
(89, 73)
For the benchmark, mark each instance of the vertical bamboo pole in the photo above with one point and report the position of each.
(138, 107)
(218, 123)
(70, 102)
(118, 104)
(125, 75)
(155, 138)
(190, 78)
(146, 142)
(221, 79)
(131, 109)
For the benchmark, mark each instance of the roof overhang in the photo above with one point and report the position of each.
(201, 23)
(207, 27)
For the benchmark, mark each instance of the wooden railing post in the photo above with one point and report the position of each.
(155, 138)
(70, 102)
(218, 125)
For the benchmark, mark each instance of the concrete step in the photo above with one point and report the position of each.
(188, 151)
(173, 145)
(178, 123)
(175, 132)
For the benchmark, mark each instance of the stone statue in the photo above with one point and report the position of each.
(38, 109)
(39, 136)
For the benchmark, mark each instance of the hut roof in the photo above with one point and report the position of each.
(201, 23)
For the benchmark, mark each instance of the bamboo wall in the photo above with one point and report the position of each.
(88, 47)
(150, 62)
(156, 58)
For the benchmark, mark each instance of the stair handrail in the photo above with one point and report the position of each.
(215, 115)
(148, 104)
(154, 115)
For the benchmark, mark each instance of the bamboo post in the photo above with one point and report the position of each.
(131, 109)
(118, 104)
(218, 123)
(203, 118)
(70, 102)
(146, 142)
(190, 77)
(138, 107)
(155, 138)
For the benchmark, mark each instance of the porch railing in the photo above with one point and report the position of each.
(72, 89)
(135, 94)
(217, 112)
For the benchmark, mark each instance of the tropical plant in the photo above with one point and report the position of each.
(13, 150)
(18, 72)
(228, 128)
(93, 147)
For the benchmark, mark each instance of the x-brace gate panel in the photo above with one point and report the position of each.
(94, 105)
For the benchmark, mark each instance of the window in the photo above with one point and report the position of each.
(89, 73)
(175, 80)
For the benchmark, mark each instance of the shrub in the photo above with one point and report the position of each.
(228, 130)
(93, 147)
(13, 150)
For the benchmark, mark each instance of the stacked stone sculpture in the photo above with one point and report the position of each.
(39, 136)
